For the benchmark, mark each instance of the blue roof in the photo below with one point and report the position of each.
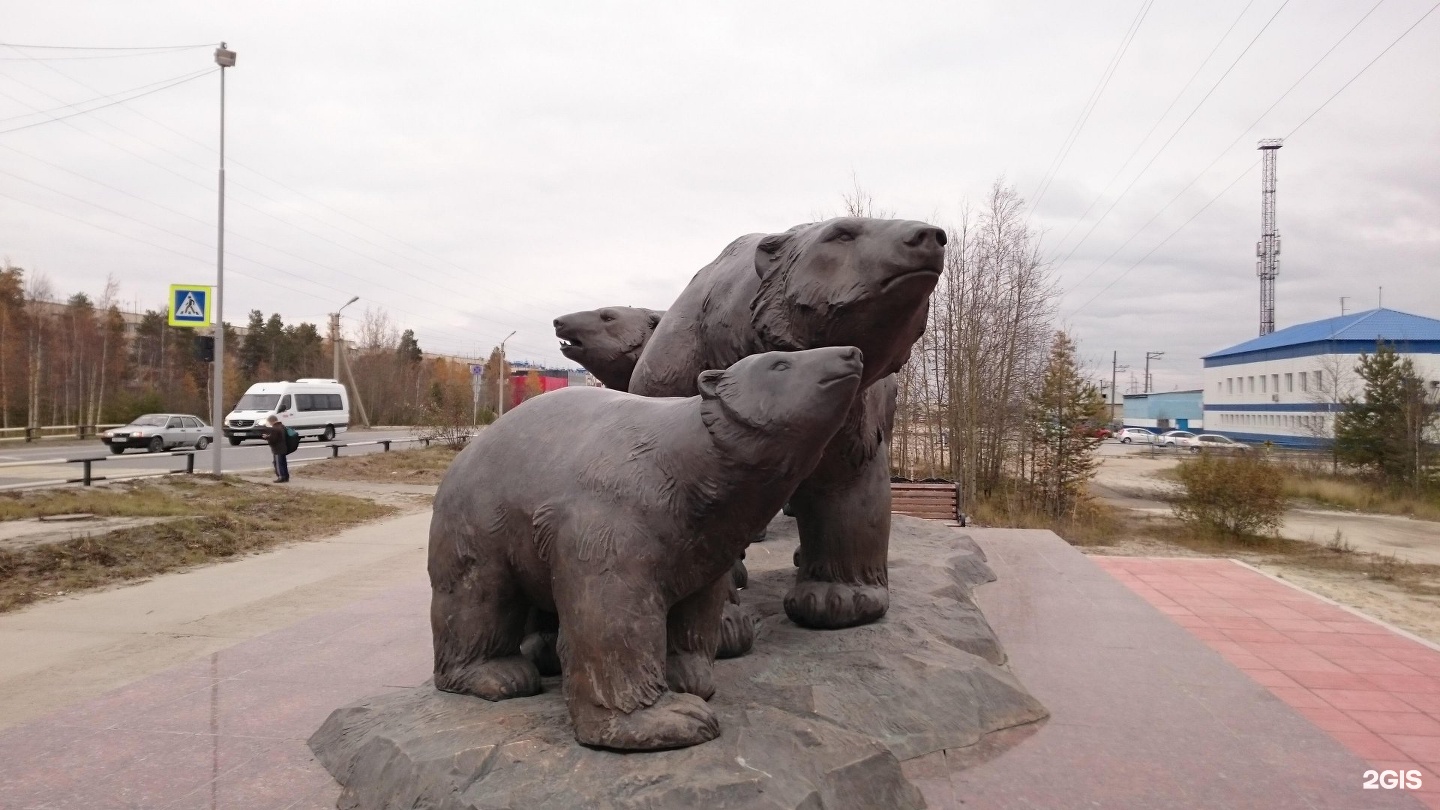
(1369, 326)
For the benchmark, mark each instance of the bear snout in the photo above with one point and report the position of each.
(923, 233)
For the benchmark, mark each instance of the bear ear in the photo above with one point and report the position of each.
(709, 383)
(767, 252)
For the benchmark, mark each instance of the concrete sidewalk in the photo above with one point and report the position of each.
(64, 651)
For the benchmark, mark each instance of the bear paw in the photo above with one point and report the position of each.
(540, 648)
(737, 632)
(832, 605)
(691, 673)
(673, 721)
(739, 576)
(497, 679)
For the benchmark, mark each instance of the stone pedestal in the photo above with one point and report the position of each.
(810, 719)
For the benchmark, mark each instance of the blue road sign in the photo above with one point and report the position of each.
(189, 305)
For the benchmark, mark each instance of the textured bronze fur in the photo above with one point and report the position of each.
(607, 341)
(622, 516)
(844, 282)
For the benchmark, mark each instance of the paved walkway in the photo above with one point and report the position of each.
(1374, 689)
(1145, 714)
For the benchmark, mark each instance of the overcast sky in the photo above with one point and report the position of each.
(477, 168)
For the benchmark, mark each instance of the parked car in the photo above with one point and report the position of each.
(159, 431)
(1179, 439)
(1134, 435)
(312, 407)
(1212, 441)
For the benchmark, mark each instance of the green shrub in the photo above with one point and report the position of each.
(1240, 496)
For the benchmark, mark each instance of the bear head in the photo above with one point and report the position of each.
(850, 281)
(607, 341)
(778, 410)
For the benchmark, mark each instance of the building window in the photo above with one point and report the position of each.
(1319, 381)
(1262, 383)
(1275, 383)
(1304, 381)
(1229, 385)
(1250, 384)
(1289, 383)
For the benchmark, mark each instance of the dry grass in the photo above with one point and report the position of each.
(1343, 492)
(425, 465)
(1094, 523)
(222, 519)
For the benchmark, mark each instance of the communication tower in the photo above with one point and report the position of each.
(1268, 248)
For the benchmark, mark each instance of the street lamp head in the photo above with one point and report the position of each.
(224, 58)
(351, 301)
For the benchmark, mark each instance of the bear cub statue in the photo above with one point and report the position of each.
(607, 341)
(622, 516)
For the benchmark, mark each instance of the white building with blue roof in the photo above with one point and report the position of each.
(1285, 387)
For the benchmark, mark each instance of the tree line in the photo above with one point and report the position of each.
(73, 361)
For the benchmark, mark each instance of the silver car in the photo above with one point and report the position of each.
(159, 431)
(1132, 435)
(1214, 441)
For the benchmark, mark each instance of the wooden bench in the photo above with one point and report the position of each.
(930, 501)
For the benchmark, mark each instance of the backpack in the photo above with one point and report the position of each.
(292, 440)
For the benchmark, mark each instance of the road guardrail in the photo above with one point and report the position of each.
(88, 477)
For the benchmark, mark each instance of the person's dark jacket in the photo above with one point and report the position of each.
(275, 436)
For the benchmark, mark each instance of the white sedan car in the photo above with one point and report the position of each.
(1212, 441)
(1135, 435)
(1179, 439)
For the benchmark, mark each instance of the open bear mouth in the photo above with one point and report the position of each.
(567, 343)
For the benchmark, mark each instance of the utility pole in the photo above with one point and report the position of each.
(501, 379)
(225, 59)
(1148, 357)
(335, 335)
(1115, 369)
(1268, 248)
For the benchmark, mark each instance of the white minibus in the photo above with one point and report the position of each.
(312, 407)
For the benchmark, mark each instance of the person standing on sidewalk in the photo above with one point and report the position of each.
(274, 433)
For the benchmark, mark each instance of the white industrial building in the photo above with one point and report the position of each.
(1285, 387)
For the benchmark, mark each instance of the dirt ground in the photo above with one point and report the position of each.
(1134, 484)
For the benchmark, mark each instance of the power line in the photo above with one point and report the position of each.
(268, 215)
(51, 120)
(468, 278)
(99, 98)
(329, 297)
(1172, 137)
(157, 52)
(1146, 137)
(1090, 103)
(1252, 166)
(108, 47)
(1227, 148)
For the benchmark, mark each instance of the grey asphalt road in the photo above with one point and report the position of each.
(252, 455)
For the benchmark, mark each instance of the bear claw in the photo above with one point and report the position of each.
(673, 721)
(496, 679)
(832, 605)
(737, 631)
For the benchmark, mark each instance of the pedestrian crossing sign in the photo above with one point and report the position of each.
(189, 305)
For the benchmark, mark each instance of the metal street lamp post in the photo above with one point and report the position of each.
(335, 335)
(225, 59)
(500, 379)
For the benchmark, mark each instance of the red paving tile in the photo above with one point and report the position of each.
(1371, 688)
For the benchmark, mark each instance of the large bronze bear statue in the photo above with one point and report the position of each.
(844, 282)
(607, 341)
(622, 515)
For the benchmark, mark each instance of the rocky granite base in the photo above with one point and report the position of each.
(818, 720)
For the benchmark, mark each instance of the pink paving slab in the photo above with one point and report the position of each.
(1374, 689)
